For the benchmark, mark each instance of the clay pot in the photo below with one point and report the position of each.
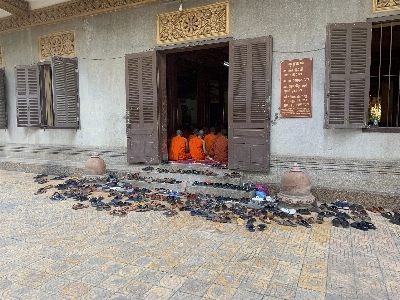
(296, 187)
(95, 165)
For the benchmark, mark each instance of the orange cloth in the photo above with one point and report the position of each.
(177, 149)
(220, 150)
(209, 139)
(190, 137)
(196, 148)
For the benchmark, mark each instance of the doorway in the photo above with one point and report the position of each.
(197, 88)
(230, 84)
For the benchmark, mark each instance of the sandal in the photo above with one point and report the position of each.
(220, 227)
(304, 223)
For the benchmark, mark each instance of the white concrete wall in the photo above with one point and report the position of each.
(298, 28)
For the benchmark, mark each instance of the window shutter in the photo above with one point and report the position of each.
(65, 92)
(141, 107)
(28, 104)
(3, 102)
(348, 58)
(249, 103)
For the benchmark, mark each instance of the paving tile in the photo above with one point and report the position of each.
(136, 289)
(74, 290)
(96, 293)
(222, 292)
(158, 293)
(172, 282)
(183, 296)
(94, 278)
(196, 287)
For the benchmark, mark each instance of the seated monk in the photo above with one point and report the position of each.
(197, 147)
(219, 151)
(194, 134)
(178, 147)
(209, 139)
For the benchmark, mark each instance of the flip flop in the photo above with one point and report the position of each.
(220, 227)
(240, 221)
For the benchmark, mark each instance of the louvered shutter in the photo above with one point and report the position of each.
(141, 107)
(65, 92)
(249, 103)
(348, 59)
(3, 104)
(28, 95)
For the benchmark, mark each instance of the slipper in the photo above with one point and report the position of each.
(240, 221)
(288, 223)
(220, 227)
(251, 228)
(285, 210)
(261, 227)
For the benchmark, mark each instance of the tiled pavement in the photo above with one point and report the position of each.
(49, 251)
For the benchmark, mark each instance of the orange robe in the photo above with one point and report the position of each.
(196, 148)
(209, 139)
(220, 150)
(177, 149)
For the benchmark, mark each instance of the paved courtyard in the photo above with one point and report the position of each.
(50, 251)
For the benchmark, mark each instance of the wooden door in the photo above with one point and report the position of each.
(249, 103)
(65, 92)
(141, 108)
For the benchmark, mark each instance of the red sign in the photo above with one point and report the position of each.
(296, 88)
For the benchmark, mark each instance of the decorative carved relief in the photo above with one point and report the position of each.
(384, 5)
(65, 11)
(1, 56)
(60, 44)
(190, 24)
(14, 6)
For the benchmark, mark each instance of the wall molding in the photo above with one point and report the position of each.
(385, 5)
(60, 44)
(192, 24)
(64, 12)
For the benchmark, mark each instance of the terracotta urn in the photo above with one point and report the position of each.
(295, 188)
(95, 165)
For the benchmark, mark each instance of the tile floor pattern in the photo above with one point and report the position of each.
(49, 251)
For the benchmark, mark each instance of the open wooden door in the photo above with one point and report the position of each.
(249, 103)
(65, 92)
(141, 108)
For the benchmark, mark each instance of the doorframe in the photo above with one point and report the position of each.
(161, 53)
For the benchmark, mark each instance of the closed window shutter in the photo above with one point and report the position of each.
(28, 104)
(65, 91)
(3, 106)
(249, 104)
(348, 58)
(141, 107)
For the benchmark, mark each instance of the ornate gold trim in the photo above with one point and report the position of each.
(195, 23)
(65, 11)
(385, 5)
(60, 44)
(1, 56)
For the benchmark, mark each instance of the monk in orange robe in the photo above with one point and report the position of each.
(194, 134)
(197, 147)
(178, 147)
(209, 139)
(219, 151)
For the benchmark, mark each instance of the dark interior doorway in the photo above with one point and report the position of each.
(197, 87)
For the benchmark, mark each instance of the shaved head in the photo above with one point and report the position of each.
(179, 132)
(201, 133)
